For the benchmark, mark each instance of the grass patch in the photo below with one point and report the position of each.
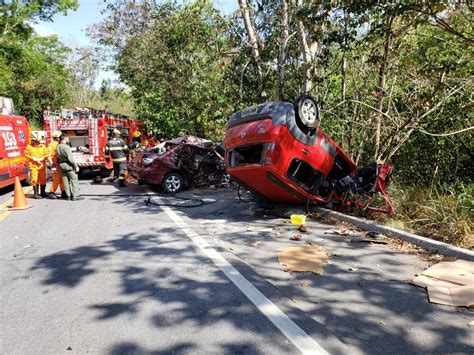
(441, 213)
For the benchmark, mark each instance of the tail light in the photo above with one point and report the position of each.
(271, 153)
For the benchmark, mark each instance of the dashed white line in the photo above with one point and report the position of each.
(290, 329)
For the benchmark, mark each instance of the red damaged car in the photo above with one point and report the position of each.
(186, 161)
(278, 151)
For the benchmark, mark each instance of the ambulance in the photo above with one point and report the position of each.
(14, 137)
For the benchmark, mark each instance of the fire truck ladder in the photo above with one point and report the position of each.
(93, 136)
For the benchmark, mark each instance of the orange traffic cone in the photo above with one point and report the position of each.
(19, 199)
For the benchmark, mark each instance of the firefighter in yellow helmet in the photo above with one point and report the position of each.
(118, 151)
(55, 168)
(36, 154)
(136, 145)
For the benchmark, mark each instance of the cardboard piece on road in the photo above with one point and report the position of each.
(425, 281)
(450, 283)
(460, 272)
(305, 258)
(459, 296)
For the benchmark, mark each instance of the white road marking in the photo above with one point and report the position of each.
(290, 329)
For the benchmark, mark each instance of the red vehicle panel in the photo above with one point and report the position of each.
(181, 162)
(14, 137)
(287, 159)
(89, 130)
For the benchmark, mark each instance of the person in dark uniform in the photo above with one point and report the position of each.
(118, 151)
(69, 168)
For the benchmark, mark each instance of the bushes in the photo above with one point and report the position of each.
(442, 213)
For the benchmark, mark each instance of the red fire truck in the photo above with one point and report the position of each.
(14, 137)
(88, 131)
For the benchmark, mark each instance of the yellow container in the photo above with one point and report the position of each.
(298, 219)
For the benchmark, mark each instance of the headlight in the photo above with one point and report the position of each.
(147, 161)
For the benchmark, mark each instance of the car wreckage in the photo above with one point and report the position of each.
(186, 161)
(277, 151)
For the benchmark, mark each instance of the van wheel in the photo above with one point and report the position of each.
(307, 111)
(172, 183)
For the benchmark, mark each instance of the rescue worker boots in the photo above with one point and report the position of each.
(64, 195)
(52, 195)
(36, 194)
(43, 191)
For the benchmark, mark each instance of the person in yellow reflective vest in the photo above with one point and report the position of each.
(36, 154)
(55, 168)
(118, 151)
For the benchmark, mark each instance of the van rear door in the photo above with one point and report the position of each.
(18, 162)
(4, 166)
(14, 133)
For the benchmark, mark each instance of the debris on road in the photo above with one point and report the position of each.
(296, 237)
(458, 296)
(298, 219)
(303, 259)
(367, 240)
(376, 235)
(449, 282)
(255, 243)
(344, 232)
(259, 229)
(303, 229)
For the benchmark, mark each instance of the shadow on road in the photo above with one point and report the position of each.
(366, 310)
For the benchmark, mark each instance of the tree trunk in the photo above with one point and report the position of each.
(380, 92)
(343, 78)
(253, 43)
(282, 49)
(308, 51)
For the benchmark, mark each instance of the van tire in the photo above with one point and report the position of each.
(306, 111)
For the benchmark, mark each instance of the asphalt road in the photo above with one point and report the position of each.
(113, 275)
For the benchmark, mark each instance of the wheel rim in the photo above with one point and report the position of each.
(309, 112)
(173, 183)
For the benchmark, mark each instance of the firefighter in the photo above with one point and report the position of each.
(118, 150)
(55, 169)
(136, 145)
(69, 168)
(36, 154)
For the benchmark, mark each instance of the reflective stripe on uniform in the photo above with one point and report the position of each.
(115, 148)
(119, 160)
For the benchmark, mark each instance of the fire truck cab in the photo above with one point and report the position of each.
(14, 137)
(88, 130)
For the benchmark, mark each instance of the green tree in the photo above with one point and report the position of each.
(175, 67)
(32, 69)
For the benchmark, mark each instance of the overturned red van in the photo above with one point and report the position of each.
(278, 151)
